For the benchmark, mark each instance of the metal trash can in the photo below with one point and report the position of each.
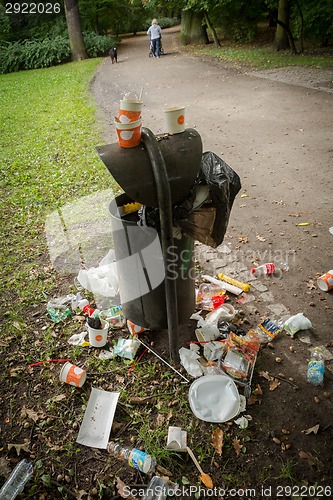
(142, 273)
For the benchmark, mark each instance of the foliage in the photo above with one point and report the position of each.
(98, 45)
(318, 21)
(34, 54)
(5, 29)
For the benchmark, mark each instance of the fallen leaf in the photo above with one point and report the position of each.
(274, 384)
(303, 224)
(243, 239)
(25, 412)
(305, 455)
(206, 479)
(313, 429)
(265, 375)
(244, 195)
(19, 447)
(257, 391)
(123, 490)
(60, 397)
(160, 419)
(4, 468)
(237, 446)
(310, 284)
(217, 440)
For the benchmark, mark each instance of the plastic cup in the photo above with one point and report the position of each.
(98, 337)
(129, 110)
(325, 282)
(174, 119)
(72, 375)
(129, 134)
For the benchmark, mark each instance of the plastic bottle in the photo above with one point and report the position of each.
(114, 316)
(316, 367)
(58, 308)
(270, 268)
(86, 308)
(17, 480)
(135, 458)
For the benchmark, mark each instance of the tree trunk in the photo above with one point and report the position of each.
(193, 31)
(281, 41)
(74, 30)
(212, 29)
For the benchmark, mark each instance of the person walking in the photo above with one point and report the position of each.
(155, 33)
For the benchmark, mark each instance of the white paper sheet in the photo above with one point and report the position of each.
(97, 421)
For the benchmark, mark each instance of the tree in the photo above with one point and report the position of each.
(74, 30)
(193, 29)
(281, 41)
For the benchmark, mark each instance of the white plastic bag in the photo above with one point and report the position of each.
(102, 280)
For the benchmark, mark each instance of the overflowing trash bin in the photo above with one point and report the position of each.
(173, 194)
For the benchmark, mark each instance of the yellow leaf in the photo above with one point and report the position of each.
(237, 446)
(274, 384)
(303, 224)
(244, 195)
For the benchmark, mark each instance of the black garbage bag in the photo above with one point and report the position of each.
(209, 222)
(206, 222)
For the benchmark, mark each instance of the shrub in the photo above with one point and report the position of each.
(98, 45)
(34, 54)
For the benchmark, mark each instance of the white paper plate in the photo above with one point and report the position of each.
(214, 398)
(97, 421)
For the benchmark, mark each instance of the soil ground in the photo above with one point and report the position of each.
(274, 129)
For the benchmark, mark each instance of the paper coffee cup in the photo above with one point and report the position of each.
(129, 134)
(174, 119)
(129, 110)
(98, 337)
(72, 375)
(325, 282)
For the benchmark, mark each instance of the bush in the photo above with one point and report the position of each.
(34, 54)
(97, 45)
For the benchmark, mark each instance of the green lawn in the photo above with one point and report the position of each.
(48, 157)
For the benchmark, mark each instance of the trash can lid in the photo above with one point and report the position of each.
(132, 170)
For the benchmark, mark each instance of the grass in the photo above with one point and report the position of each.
(48, 157)
(263, 57)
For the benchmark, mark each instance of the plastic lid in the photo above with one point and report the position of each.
(214, 398)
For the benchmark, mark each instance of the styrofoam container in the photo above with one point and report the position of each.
(214, 398)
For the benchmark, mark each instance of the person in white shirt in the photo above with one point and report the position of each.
(155, 33)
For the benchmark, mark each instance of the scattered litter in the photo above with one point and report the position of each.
(79, 339)
(177, 439)
(325, 282)
(223, 284)
(189, 360)
(135, 458)
(296, 323)
(244, 286)
(126, 348)
(59, 308)
(97, 421)
(268, 330)
(72, 375)
(104, 354)
(214, 398)
(242, 422)
(102, 280)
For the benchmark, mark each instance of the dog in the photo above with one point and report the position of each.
(113, 54)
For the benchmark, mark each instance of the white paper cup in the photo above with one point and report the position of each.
(72, 375)
(98, 337)
(174, 119)
(129, 134)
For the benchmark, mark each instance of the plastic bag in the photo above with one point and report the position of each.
(208, 224)
(102, 280)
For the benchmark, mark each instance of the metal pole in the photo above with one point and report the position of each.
(164, 204)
